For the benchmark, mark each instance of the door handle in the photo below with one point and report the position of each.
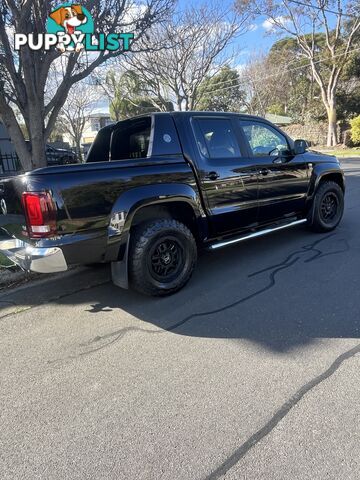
(212, 176)
(264, 171)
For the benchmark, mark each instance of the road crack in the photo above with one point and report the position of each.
(280, 414)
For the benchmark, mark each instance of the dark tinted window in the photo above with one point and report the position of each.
(263, 139)
(130, 139)
(215, 138)
(166, 141)
(99, 150)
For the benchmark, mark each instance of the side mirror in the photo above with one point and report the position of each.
(300, 146)
(283, 155)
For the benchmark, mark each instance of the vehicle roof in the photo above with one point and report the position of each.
(191, 113)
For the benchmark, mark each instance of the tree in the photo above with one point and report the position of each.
(327, 54)
(76, 112)
(263, 85)
(349, 90)
(355, 130)
(197, 42)
(295, 91)
(221, 92)
(25, 83)
(129, 96)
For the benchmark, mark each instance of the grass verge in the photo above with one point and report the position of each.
(341, 152)
(5, 262)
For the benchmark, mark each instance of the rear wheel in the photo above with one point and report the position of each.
(328, 207)
(162, 257)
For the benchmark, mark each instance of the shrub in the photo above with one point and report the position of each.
(355, 130)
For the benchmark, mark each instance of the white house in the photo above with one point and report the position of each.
(96, 120)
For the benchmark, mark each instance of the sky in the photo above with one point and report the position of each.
(260, 36)
(256, 40)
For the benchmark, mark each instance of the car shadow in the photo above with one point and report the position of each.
(281, 291)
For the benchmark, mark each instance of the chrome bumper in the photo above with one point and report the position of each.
(27, 257)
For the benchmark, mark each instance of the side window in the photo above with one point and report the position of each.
(263, 139)
(166, 140)
(131, 140)
(99, 150)
(215, 138)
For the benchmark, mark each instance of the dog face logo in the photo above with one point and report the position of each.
(71, 27)
(70, 20)
(69, 17)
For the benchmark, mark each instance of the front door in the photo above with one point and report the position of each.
(228, 178)
(283, 177)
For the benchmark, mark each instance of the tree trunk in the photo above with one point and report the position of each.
(179, 103)
(78, 149)
(38, 156)
(36, 128)
(332, 138)
(17, 137)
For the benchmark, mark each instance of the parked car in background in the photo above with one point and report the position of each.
(158, 187)
(58, 156)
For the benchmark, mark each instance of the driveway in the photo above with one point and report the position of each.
(250, 372)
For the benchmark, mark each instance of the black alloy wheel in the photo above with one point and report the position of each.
(328, 207)
(166, 259)
(162, 256)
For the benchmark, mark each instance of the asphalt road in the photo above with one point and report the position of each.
(251, 372)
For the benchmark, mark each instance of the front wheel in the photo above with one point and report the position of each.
(162, 257)
(328, 207)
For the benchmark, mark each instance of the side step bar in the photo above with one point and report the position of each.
(259, 233)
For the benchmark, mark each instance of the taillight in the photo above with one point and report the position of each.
(40, 214)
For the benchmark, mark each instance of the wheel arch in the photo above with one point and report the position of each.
(323, 173)
(330, 174)
(336, 177)
(137, 205)
(176, 209)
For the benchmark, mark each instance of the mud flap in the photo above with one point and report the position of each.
(119, 270)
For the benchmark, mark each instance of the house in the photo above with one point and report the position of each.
(95, 120)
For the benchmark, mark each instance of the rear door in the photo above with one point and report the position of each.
(283, 177)
(227, 176)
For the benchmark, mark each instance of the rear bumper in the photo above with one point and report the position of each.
(36, 259)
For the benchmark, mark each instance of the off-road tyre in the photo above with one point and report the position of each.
(162, 257)
(328, 207)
